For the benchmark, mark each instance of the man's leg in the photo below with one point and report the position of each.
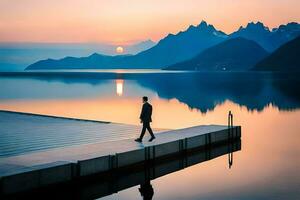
(143, 131)
(150, 130)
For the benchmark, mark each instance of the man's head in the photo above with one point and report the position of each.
(145, 99)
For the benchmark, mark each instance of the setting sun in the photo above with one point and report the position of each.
(119, 49)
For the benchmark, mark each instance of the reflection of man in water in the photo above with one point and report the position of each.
(145, 118)
(146, 190)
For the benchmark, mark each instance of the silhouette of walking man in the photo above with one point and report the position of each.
(145, 118)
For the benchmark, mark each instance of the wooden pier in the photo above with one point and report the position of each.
(67, 162)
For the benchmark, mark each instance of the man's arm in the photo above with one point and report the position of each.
(142, 112)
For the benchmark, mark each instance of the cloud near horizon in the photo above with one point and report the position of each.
(129, 21)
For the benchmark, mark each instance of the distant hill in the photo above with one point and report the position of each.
(268, 39)
(285, 58)
(17, 56)
(169, 50)
(237, 54)
(139, 47)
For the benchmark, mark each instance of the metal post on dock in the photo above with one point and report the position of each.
(230, 119)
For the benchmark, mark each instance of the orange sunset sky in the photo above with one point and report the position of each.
(129, 21)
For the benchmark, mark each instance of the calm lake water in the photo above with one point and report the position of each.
(265, 105)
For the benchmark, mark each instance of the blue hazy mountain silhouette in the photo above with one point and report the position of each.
(169, 50)
(236, 54)
(285, 58)
(17, 56)
(139, 47)
(268, 39)
(177, 48)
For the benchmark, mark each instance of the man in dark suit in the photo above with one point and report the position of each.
(145, 118)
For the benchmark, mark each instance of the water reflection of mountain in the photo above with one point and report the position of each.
(202, 91)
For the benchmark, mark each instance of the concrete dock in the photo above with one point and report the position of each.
(42, 167)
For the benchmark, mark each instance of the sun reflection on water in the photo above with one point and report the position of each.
(119, 86)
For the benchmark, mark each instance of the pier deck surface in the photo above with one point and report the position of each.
(22, 133)
(33, 142)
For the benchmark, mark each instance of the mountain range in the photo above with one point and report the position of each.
(286, 58)
(236, 54)
(17, 56)
(169, 50)
(177, 48)
(268, 39)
